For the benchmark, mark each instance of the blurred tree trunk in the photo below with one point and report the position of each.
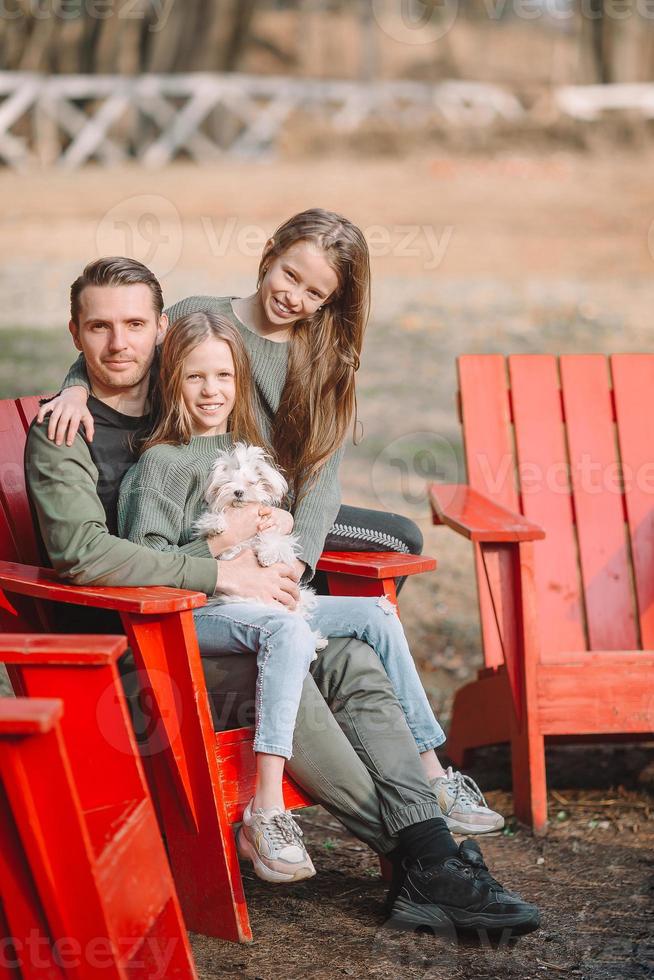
(205, 35)
(602, 41)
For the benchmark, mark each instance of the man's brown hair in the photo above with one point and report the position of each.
(115, 270)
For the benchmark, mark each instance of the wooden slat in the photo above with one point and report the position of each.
(633, 385)
(545, 494)
(19, 532)
(489, 461)
(237, 763)
(601, 698)
(597, 496)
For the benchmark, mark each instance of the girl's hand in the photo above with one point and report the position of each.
(280, 520)
(242, 524)
(298, 569)
(67, 410)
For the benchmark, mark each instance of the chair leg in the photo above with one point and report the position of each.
(187, 781)
(529, 779)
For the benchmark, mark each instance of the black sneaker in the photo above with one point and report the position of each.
(461, 892)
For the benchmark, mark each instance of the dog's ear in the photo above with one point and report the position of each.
(277, 484)
(218, 477)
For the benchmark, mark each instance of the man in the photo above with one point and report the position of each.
(352, 750)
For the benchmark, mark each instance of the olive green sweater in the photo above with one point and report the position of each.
(162, 495)
(317, 510)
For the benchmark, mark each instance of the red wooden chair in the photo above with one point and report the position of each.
(560, 507)
(200, 779)
(85, 886)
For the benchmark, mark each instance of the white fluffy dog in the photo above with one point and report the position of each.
(242, 475)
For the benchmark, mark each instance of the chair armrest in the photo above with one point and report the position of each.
(477, 517)
(29, 716)
(25, 649)
(42, 583)
(374, 564)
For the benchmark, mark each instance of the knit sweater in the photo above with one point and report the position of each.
(317, 510)
(63, 483)
(162, 495)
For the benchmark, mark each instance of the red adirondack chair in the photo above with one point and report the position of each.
(200, 780)
(560, 507)
(85, 886)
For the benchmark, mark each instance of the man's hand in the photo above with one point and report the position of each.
(242, 524)
(244, 577)
(66, 412)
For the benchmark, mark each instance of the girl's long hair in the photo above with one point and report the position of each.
(318, 402)
(173, 424)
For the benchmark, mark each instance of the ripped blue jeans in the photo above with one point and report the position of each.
(284, 646)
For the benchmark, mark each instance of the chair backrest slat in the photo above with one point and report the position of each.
(17, 538)
(489, 461)
(595, 473)
(633, 387)
(545, 495)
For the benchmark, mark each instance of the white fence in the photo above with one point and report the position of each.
(70, 119)
(67, 120)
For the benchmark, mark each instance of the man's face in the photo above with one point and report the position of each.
(117, 332)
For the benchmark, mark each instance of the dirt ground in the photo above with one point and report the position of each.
(541, 251)
(591, 877)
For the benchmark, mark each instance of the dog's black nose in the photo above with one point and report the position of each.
(239, 493)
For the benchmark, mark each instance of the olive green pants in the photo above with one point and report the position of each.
(352, 749)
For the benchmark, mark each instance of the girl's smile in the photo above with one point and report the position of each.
(296, 284)
(209, 387)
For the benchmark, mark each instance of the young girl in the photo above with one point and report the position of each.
(206, 402)
(303, 329)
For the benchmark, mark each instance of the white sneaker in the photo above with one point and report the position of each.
(464, 808)
(272, 840)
